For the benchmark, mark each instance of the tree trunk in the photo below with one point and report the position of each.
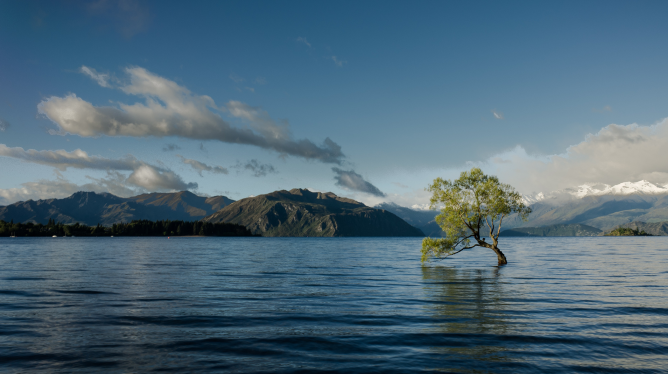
(501, 257)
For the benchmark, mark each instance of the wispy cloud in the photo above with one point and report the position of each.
(303, 40)
(101, 79)
(338, 62)
(260, 80)
(200, 166)
(255, 167)
(350, 180)
(235, 78)
(251, 89)
(172, 110)
(170, 147)
(143, 175)
(606, 108)
(497, 115)
(4, 125)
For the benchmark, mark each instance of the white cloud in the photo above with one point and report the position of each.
(259, 120)
(154, 179)
(62, 159)
(145, 176)
(497, 115)
(260, 80)
(172, 110)
(200, 166)
(615, 154)
(55, 189)
(251, 89)
(350, 180)
(101, 79)
(303, 40)
(338, 62)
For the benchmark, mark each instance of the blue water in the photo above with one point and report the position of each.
(296, 305)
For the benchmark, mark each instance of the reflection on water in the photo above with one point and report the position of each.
(469, 303)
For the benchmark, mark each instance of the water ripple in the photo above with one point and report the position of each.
(332, 305)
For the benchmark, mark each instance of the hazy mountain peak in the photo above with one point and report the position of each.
(642, 187)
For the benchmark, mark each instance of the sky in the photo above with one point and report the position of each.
(369, 100)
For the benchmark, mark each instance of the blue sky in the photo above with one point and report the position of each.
(543, 95)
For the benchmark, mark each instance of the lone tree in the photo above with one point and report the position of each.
(470, 204)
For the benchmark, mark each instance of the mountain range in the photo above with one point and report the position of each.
(91, 208)
(595, 207)
(297, 212)
(601, 206)
(300, 212)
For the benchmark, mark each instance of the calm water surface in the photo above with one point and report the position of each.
(290, 305)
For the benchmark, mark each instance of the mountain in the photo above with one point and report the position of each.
(422, 219)
(184, 202)
(574, 229)
(91, 208)
(300, 212)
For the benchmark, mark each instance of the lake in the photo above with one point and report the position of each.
(296, 305)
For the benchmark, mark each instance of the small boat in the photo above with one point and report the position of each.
(54, 236)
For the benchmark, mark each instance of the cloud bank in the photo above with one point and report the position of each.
(350, 180)
(172, 110)
(615, 154)
(612, 155)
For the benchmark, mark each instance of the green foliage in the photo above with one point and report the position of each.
(134, 228)
(468, 205)
(625, 231)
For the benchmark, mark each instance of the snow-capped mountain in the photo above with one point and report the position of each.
(642, 187)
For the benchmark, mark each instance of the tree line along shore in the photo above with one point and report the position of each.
(133, 228)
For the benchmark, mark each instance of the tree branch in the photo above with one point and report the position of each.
(454, 253)
(498, 232)
(459, 242)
